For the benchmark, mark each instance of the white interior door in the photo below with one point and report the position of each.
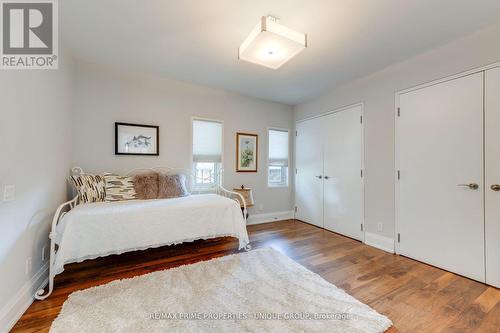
(492, 177)
(343, 162)
(440, 131)
(309, 164)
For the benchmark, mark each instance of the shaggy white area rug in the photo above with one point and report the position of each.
(258, 291)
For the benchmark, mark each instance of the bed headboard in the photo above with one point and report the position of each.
(190, 177)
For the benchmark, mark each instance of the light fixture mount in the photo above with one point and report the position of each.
(271, 44)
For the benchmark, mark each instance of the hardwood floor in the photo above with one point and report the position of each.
(415, 296)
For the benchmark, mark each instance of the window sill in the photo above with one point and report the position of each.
(277, 186)
(204, 189)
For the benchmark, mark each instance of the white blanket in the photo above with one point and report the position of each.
(94, 230)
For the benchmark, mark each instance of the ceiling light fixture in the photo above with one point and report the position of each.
(271, 44)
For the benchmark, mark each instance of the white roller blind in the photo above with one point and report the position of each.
(207, 141)
(278, 147)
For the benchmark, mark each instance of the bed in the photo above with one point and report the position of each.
(91, 230)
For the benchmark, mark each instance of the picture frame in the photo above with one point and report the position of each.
(247, 152)
(137, 139)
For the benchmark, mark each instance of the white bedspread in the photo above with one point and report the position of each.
(98, 229)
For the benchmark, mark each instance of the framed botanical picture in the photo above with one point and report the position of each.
(246, 152)
(135, 139)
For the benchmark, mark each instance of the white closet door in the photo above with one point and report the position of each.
(309, 164)
(492, 177)
(343, 185)
(440, 130)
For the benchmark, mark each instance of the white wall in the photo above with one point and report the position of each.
(377, 91)
(105, 96)
(35, 153)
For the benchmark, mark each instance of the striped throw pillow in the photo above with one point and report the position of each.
(119, 187)
(90, 188)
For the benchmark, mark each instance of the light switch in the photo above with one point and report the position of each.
(9, 193)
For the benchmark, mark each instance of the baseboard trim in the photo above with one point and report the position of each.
(269, 217)
(380, 242)
(17, 305)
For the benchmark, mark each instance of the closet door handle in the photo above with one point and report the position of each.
(319, 177)
(472, 186)
(326, 177)
(495, 187)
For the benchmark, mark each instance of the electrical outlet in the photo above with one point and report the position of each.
(261, 207)
(28, 266)
(43, 254)
(380, 226)
(9, 193)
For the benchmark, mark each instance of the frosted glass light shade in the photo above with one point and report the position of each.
(271, 44)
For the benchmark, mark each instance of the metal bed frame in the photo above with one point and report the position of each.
(68, 205)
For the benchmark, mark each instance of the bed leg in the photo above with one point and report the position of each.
(52, 236)
(39, 295)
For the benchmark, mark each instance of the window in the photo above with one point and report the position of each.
(207, 152)
(278, 158)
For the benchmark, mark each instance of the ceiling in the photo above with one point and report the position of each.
(197, 40)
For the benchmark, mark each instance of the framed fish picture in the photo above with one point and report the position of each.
(247, 146)
(135, 139)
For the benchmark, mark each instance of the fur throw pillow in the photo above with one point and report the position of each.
(146, 185)
(172, 186)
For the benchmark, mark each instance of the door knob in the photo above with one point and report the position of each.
(495, 187)
(326, 177)
(472, 186)
(319, 177)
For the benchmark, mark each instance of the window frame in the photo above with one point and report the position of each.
(282, 129)
(206, 186)
(219, 177)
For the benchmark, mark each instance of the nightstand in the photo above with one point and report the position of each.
(247, 197)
